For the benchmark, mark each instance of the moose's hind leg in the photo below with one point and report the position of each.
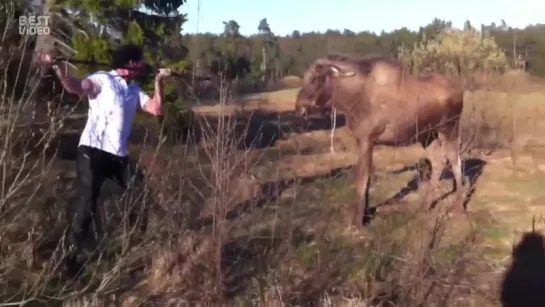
(425, 164)
(435, 154)
(451, 147)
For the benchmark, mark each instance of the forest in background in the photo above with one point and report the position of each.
(291, 55)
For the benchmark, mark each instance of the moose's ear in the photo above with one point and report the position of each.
(335, 70)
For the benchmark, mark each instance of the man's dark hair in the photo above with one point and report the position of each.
(126, 53)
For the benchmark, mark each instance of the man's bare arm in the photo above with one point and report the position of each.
(154, 105)
(75, 85)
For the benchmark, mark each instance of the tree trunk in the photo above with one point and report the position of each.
(263, 62)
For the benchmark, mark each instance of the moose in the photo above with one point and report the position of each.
(385, 105)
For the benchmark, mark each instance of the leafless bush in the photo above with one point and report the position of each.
(27, 216)
(33, 197)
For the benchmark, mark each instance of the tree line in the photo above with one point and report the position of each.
(265, 54)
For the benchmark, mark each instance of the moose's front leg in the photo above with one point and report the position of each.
(365, 159)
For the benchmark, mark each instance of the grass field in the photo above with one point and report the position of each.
(508, 198)
(267, 225)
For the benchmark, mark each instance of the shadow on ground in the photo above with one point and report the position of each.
(247, 257)
(472, 169)
(252, 130)
(269, 192)
(261, 129)
(524, 281)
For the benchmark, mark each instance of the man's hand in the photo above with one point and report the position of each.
(163, 72)
(154, 105)
(61, 68)
(44, 58)
(70, 84)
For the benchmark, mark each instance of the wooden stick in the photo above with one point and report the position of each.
(154, 70)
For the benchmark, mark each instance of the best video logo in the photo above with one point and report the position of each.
(34, 25)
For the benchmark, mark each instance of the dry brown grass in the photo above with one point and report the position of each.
(267, 227)
(277, 101)
(500, 122)
(290, 82)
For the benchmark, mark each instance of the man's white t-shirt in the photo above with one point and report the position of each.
(111, 113)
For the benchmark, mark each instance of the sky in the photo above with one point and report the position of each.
(284, 16)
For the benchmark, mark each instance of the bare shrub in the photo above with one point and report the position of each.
(200, 187)
(35, 190)
(28, 213)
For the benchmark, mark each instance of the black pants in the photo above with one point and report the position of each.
(94, 166)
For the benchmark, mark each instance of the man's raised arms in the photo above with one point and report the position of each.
(87, 86)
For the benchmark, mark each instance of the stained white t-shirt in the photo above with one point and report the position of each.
(111, 113)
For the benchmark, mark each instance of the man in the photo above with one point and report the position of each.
(102, 151)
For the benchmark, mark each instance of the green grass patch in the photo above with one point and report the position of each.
(532, 184)
(495, 233)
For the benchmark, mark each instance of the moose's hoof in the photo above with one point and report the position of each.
(364, 220)
(357, 221)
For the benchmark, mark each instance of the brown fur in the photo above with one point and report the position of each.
(384, 105)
